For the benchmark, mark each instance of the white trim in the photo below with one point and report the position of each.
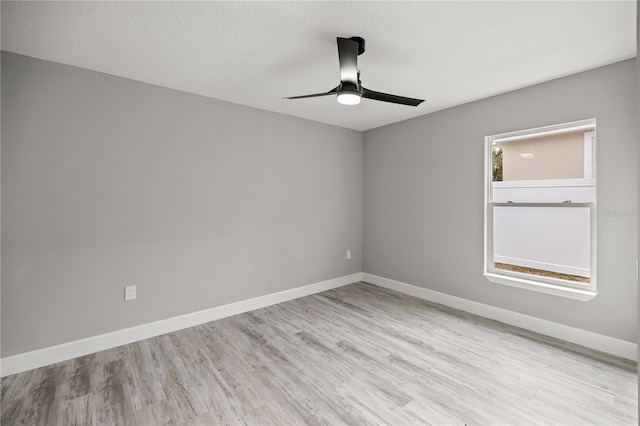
(540, 286)
(545, 183)
(555, 129)
(599, 342)
(41, 357)
(589, 155)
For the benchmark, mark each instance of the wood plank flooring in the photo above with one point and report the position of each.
(354, 355)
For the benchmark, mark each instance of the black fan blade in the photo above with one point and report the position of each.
(394, 99)
(348, 58)
(315, 95)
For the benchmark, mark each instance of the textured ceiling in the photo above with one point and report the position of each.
(254, 53)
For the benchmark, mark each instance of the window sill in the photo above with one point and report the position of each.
(556, 290)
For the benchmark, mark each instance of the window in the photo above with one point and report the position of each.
(540, 215)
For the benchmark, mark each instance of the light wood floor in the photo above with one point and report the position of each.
(354, 355)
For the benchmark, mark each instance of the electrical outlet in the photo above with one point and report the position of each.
(130, 292)
(348, 254)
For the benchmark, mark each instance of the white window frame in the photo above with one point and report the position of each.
(553, 286)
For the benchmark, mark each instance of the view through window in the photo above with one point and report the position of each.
(541, 204)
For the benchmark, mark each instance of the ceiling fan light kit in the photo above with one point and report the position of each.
(350, 90)
(348, 94)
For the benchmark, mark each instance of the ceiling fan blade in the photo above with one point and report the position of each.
(315, 95)
(348, 58)
(394, 99)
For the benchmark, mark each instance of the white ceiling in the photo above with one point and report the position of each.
(254, 53)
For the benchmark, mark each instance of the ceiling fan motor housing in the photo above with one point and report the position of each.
(347, 86)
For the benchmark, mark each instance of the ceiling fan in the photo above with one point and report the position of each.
(350, 91)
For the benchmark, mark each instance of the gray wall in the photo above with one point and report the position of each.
(108, 182)
(423, 197)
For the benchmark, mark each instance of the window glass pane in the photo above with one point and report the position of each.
(549, 157)
(547, 241)
(547, 169)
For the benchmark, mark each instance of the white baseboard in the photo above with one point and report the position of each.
(46, 356)
(610, 345)
(41, 357)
